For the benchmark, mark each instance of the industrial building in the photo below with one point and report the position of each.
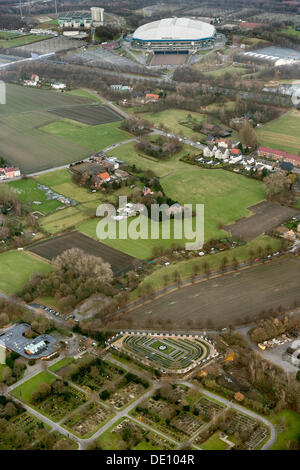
(83, 20)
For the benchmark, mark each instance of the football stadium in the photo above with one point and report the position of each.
(178, 35)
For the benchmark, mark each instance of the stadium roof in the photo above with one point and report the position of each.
(174, 29)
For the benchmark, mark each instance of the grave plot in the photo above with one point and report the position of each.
(88, 420)
(125, 395)
(208, 408)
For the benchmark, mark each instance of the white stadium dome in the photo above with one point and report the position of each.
(175, 29)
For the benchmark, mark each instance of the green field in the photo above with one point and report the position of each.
(95, 138)
(24, 391)
(8, 39)
(85, 94)
(25, 143)
(291, 432)
(171, 118)
(60, 364)
(214, 443)
(28, 191)
(282, 133)
(162, 167)
(17, 267)
(185, 268)
(61, 182)
(157, 344)
(291, 31)
(225, 195)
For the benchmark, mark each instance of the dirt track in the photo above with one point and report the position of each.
(267, 216)
(232, 298)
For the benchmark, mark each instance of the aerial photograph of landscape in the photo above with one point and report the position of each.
(150, 229)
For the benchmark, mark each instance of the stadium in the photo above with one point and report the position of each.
(174, 35)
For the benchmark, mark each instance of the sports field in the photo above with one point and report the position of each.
(17, 267)
(282, 133)
(25, 144)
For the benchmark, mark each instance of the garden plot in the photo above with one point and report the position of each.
(88, 420)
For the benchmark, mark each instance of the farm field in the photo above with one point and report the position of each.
(282, 133)
(25, 144)
(17, 267)
(85, 94)
(93, 137)
(225, 195)
(221, 301)
(49, 249)
(185, 268)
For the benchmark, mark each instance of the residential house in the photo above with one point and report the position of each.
(151, 98)
(279, 155)
(9, 172)
(58, 86)
(146, 191)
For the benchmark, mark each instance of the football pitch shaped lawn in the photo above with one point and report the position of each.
(17, 267)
